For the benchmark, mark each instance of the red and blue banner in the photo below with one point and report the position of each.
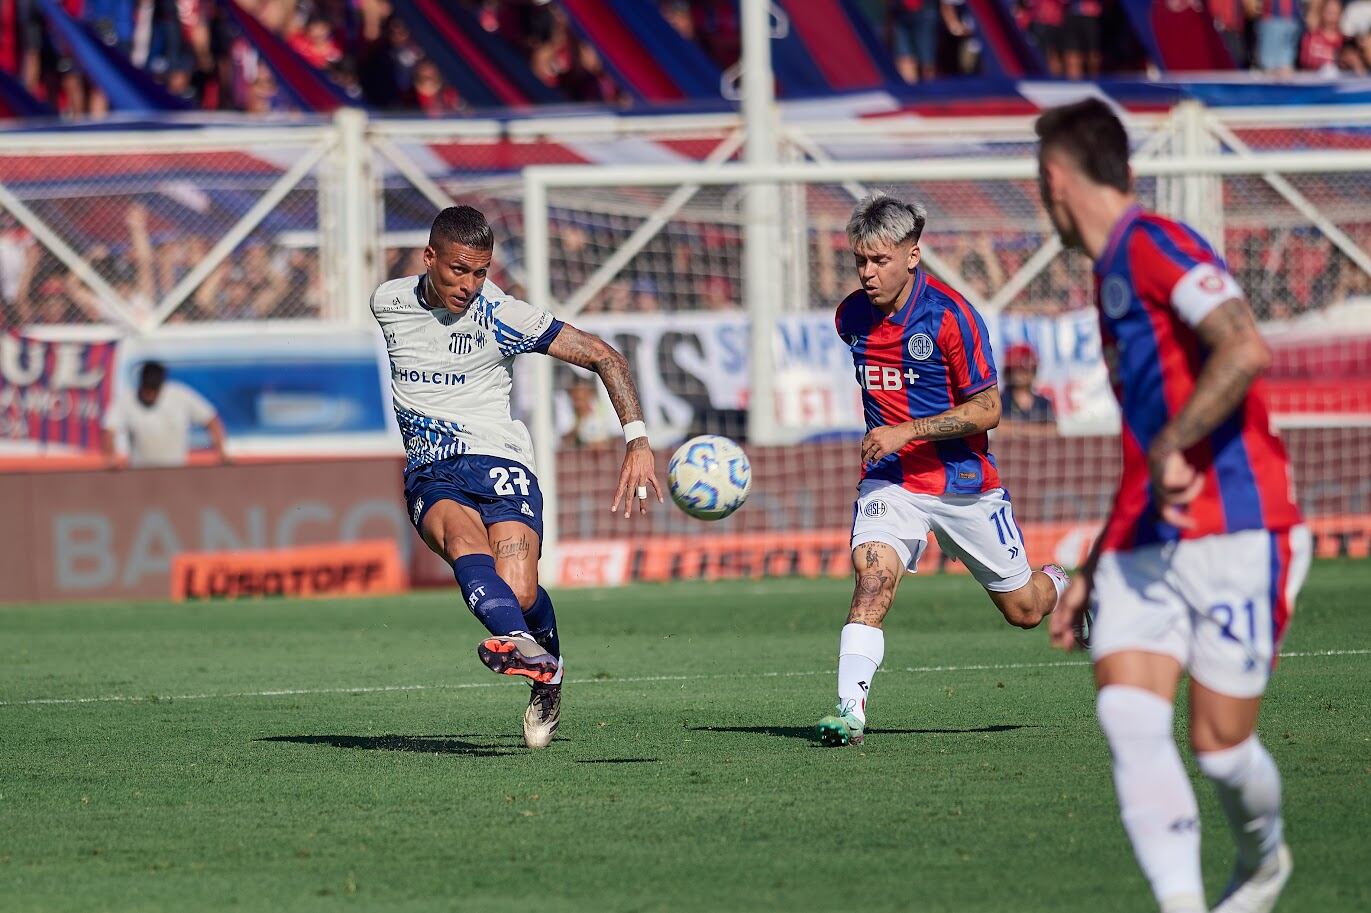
(310, 89)
(484, 69)
(15, 100)
(1178, 37)
(644, 53)
(54, 392)
(127, 87)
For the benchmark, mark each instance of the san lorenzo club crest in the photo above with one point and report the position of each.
(874, 509)
(920, 346)
(1115, 297)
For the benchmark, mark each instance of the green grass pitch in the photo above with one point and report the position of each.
(354, 754)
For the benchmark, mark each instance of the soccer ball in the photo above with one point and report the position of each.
(709, 477)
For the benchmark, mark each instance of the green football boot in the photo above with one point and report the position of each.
(841, 729)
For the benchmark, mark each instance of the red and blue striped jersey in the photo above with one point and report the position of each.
(1155, 282)
(928, 356)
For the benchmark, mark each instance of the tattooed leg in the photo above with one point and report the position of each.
(862, 644)
(879, 569)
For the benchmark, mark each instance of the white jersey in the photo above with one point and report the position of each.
(159, 435)
(451, 375)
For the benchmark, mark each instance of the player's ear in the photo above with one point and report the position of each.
(428, 256)
(914, 256)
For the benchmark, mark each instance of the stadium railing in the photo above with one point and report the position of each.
(235, 236)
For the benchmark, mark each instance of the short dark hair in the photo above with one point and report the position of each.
(463, 225)
(152, 375)
(1091, 133)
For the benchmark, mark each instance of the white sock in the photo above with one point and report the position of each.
(1156, 800)
(860, 650)
(1249, 788)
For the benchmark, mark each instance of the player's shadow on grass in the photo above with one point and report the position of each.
(807, 732)
(423, 744)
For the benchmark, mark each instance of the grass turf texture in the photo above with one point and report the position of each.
(684, 776)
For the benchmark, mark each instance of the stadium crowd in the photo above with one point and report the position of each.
(194, 49)
(688, 267)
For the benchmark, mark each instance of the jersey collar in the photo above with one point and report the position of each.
(901, 314)
(1130, 215)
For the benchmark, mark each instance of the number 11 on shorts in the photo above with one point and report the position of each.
(1005, 527)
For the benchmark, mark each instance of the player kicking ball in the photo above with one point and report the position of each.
(1202, 556)
(470, 487)
(929, 393)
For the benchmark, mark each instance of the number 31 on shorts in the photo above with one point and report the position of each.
(508, 478)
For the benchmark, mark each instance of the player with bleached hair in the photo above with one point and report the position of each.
(1204, 552)
(929, 393)
(470, 488)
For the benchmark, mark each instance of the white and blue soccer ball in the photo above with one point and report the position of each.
(709, 477)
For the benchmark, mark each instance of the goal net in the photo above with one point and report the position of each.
(657, 262)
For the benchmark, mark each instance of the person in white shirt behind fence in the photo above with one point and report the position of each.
(156, 419)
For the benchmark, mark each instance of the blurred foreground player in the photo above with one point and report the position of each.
(1199, 564)
(923, 360)
(470, 486)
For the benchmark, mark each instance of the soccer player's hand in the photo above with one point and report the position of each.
(638, 473)
(881, 442)
(1176, 484)
(1061, 624)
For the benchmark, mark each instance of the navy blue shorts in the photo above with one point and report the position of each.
(497, 488)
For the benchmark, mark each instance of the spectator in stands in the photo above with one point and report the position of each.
(587, 79)
(592, 428)
(1278, 36)
(976, 263)
(386, 60)
(1356, 27)
(50, 304)
(157, 419)
(315, 44)
(1081, 56)
(1046, 21)
(645, 300)
(961, 25)
(914, 38)
(432, 95)
(718, 30)
(678, 16)
(19, 255)
(1022, 404)
(1231, 21)
(1321, 49)
(132, 276)
(716, 294)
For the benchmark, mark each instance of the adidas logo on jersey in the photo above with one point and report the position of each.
(417, 511)
(525, 509)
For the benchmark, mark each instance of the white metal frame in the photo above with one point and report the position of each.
(1191, 169)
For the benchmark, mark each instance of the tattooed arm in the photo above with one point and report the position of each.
(1237, 356)
(586, 350)
(979, 413)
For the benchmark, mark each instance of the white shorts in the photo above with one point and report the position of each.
(1219, 604)
(980, 530)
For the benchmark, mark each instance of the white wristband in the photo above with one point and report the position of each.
(633, 431)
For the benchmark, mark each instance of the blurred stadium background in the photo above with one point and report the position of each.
(220, 185)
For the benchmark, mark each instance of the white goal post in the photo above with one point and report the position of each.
(545, 189)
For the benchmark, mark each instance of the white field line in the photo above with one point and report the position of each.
(634, 680)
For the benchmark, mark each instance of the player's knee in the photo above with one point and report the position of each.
(1019, 612)
(1208, 734)
(526, 592)
(455, 545)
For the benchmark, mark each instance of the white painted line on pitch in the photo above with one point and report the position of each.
(637, 680)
